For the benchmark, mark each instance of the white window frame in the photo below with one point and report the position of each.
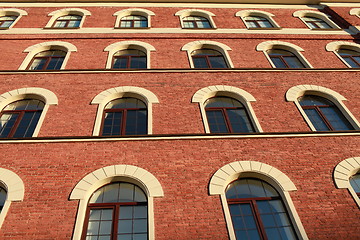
(133, 11)
(12, 12)
(196, 12)
(243, 169)
(293, 94)
(15, 189)
(296, 50)
(198, 45)
(342, 173)
(46, 46)
(103, 98)
(100, 177)
(64, 12)
(337, 45)
(42, 94)
(256, 13)
(326, 18)
(115, 47)
(242, 96)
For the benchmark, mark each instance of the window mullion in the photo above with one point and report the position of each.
(16, 124)
(227, 120)
(123, 122)
(115, 221)
(258, 220)
(323, 117)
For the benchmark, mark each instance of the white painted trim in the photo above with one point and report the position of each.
(15, 190)
(100, 177)
(342, 173)
(133, 11)
(337, 45)
(246, 13)
(307, 13)
(242, 169)
(67, 11)
(295, 92)
(45, 46)
(355, 12)
(42, 94)
(196, 12)
(13, 11)
(110, 94)
(196, 45)
(142, 46)
(296, 50)
(227, 91)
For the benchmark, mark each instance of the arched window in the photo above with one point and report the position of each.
(284, 59)
(3, 196)
(316, 23)
(257, 22)
(19, 119)
(323, 114)
(208, 58)
(227, 115)
(129, 59)
(351, 57)
(257, 211)
(125, 116)
(117, 211)
(133, 21)
(68, 21)
(196, 22)
(7, 21)
(355, 183)
(47, 60)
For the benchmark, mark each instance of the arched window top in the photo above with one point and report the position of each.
(208, 45)
(10, 16)
(257, 19)
(208, 58)
(68, 21)
(264, 46)
(315, 20)
(133, 18)
(355, 12)
(347, 175)
(47, 60)
(196, 18)
(67, 18)
(295, 92)
(12, 11)
(127, 45)
(348, 52)
(70, 11)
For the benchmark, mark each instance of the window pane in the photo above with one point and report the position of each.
(7, 121)
(217, 62)
(216, 122)
(55, 64)
(351, 62)
(138, 62)
(200, 62)
(126, 192)
(316, 120)
(3, 196)
(38, 64)
(336, 118)
(355, 182)
(293, 62)
(239, 120)
(136, 122)
(278, 62)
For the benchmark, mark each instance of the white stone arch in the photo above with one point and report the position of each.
(220, 47)
(308, 13)
(226, 91)
(196, 12)
(337, 45)
(45, 46)
(295, 92)
(133, 11)
(13, 12)
(106, 96)
(243, 169)
(296, 50)
(14, 187)
(246, 13)
(342, 173)
(355, 12)
(42, 94)
(67, 11)
(100, 177)
(142, 46)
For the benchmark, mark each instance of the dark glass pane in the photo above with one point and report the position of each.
(126, 192)
(217, 62)
(3, 196)
(216, 122)
(351, 62)
(311, 100)
(138, 62)
(293, 62)
(55, 63)
(120, 63)
(278, 62)
(112, 123)
(200, 62)
(126, 212)
(7, 121)
(355, 182)
(125, 226)
(239, 120)
(273, 233)
(316, 120)
(336, 118)
(27, 125)
(38, 64)
(222, 102)
(136, 122)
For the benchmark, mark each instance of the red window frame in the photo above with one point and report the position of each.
(195, 22)
(132, 21)
(352, 59)
(283, 58)
(256, 22)
(316, 23)
(48, 59)
(128, 60)
(21, 114)
(67, 21)
(208, 57)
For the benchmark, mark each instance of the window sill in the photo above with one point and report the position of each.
(131, 27)
(325, 29)
(4, 28)
(200, 28)
(272, 28)
(72, 28)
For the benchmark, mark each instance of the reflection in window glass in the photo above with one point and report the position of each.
(19, 119)
(68, 21)
(208, 58)
(257, 211)
(284, 59)
(3, 196)
(316, 23)
(196, 22)
(117, 211)
(48, 60)
(351, 57)
(227, 115)
(125, 116)
(355, 183)
(129, 59)
(7, 21)
(323, 114)
(133, 21)
(257, 22)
